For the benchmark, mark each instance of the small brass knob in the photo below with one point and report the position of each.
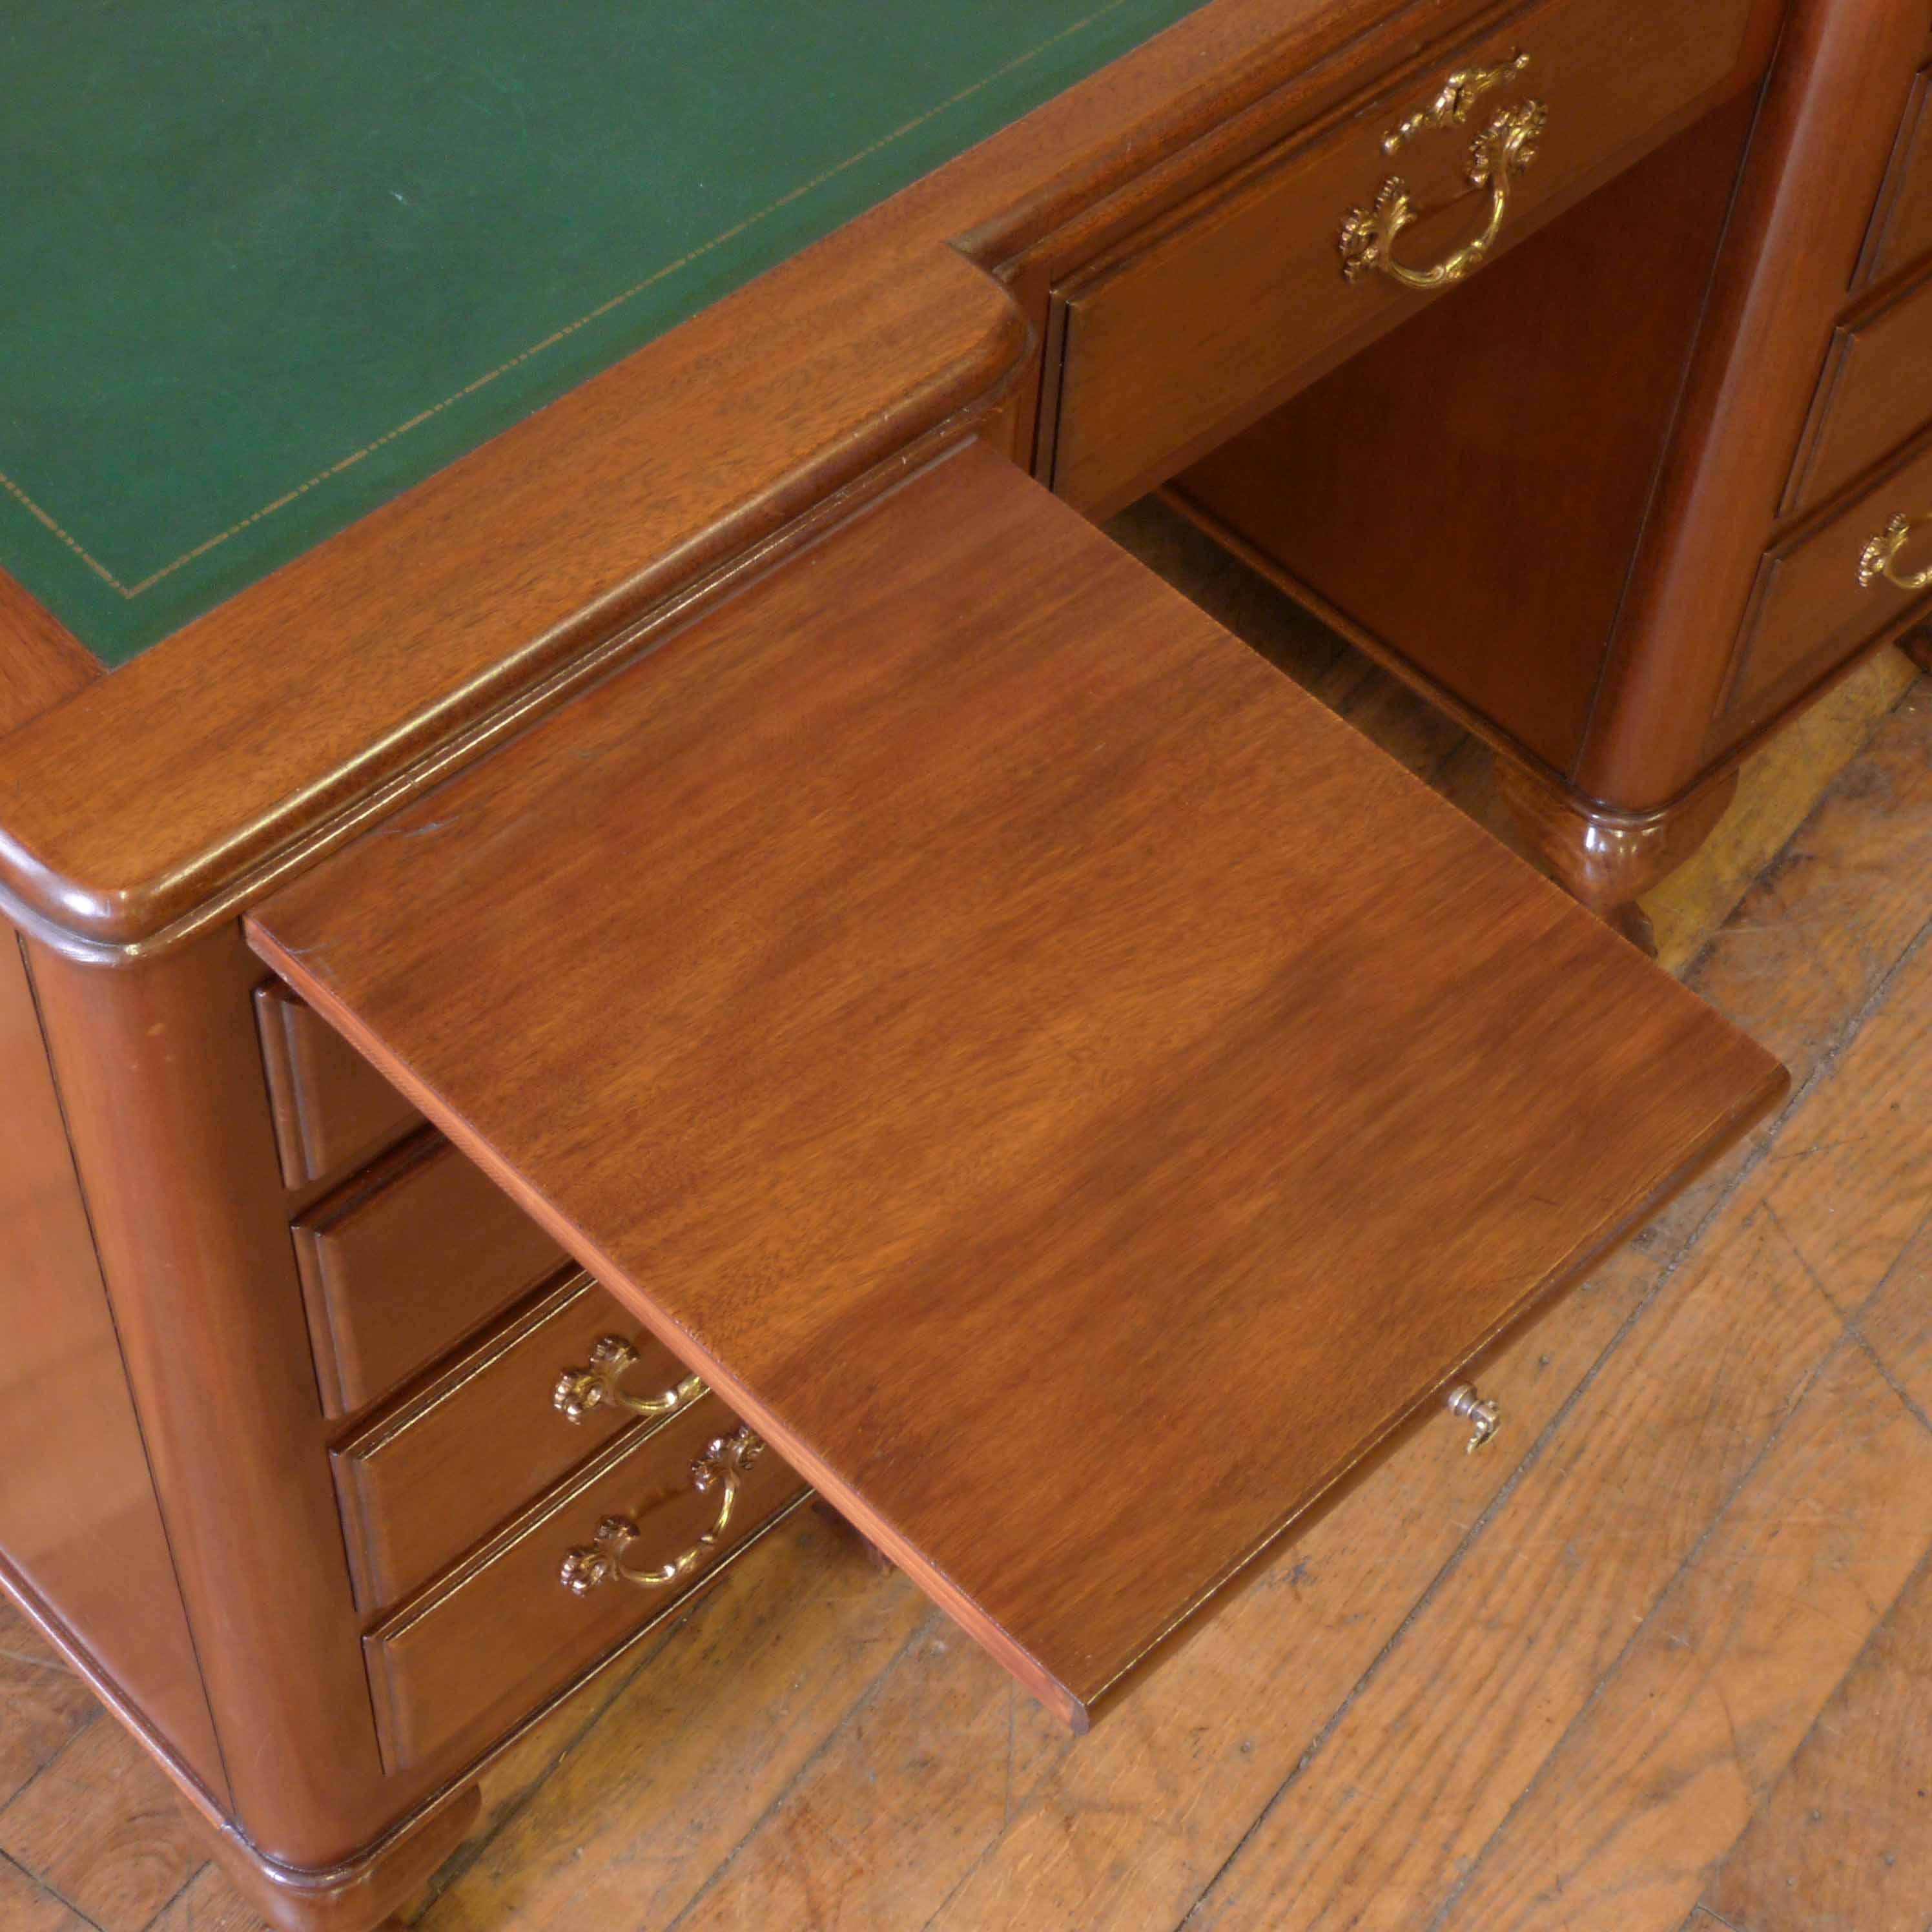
(1483, 1415)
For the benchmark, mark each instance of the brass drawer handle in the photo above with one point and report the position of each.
(1483, 1415)
(1500, 153)
(725, 1459)
(1880, 558)
(579, 1390)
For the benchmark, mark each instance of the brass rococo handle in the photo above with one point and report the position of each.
(726, 1459)
(1879, 560)
(1500, 152)
(579, 1390)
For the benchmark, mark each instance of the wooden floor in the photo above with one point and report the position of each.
(1661, 1658)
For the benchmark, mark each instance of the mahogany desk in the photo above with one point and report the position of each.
(718, 938)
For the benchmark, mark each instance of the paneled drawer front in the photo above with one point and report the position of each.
(1901, 229)
(1876, 391)
(1182, 336)
(437, 1471)
(501, 1633)
(402, 1262)
(330, 1106)
(1826, 592)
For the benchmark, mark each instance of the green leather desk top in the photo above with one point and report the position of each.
(270, 263)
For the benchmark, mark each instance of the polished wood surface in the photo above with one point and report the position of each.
(500, 1633)
(778, 1758)
(81, 1532)
(1606, 859)
(1818, 155)
(160, 1077)
(1460, 1643)
(351, 1898)
(1811, 608)
(399, 1264)
(1181, 340)
(331, 1107)
(1427, 496)
(193, 771)
(828, 1153)
(1901, 229)
(440, 1468)
(81, 1542)
(1875, 393)
(42, 663)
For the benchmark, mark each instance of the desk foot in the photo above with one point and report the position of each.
(365, 1894)
(1606, 859)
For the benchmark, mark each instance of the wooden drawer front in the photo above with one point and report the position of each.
(404, 1261)
(1811, 611)
(330, 1106)
(1901, 229)
(436, 1472)
(501, 1633)
(1876, 391)
(1182, 339)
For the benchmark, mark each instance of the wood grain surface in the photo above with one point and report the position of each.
(331, 1106)
(1812, 609)
(1186, 335)
(498, 1634)
(436, 1470)
(813, 1746)
(81, 1526)
(1818, 154)
(990, 1033)
(1844, 1843)
(1875, 393)
(401, 1262)
(1468, 576)
(1901, 229)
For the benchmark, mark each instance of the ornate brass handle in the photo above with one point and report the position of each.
(1880, 558)
(1500, 152)
(1484, 1416)
(725, 1459)
(579, 1390)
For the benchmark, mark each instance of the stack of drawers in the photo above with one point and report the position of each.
(1855, 529)
(490, 1407)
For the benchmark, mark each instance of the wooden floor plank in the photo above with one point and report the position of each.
(207, 1903)
(1125, 1828)
(1833, 912)
(1439, 1745)
(1776, 791)
(1897, 1322)
(1853, 1181)
(28, 1906)
(1845, 1842)
(43, 1705)
(101, 1827)
(1655, 1781)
